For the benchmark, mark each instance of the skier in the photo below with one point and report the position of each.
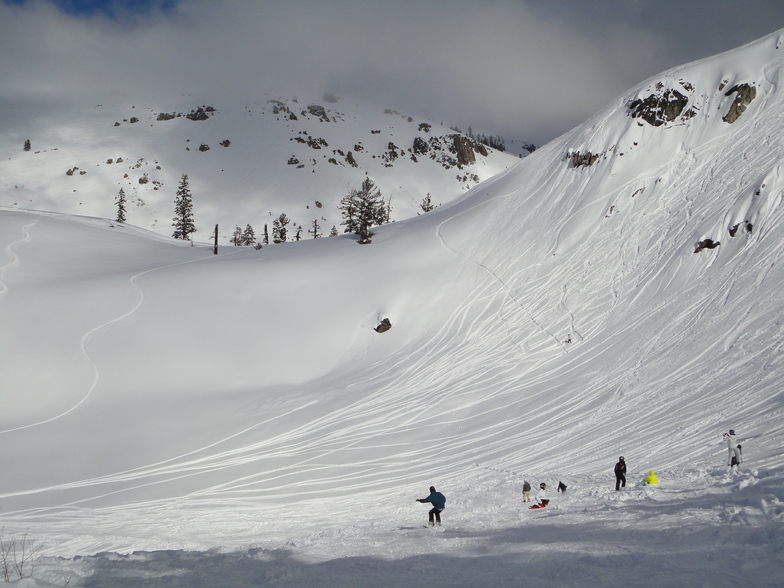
(620, 474)
(526, 491)
(733, 449)
(438, 501)
(541, 497)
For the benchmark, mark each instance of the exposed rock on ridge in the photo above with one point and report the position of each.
(745, 94)
(659, 109)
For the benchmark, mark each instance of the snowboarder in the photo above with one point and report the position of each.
(620, 474)
(541, 497)
(733, 449)
(526, 491)
(561, 487)
(438, 501)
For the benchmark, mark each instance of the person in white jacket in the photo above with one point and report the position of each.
(733, 449)
(541, 497)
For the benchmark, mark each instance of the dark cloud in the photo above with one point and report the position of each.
(524, 69)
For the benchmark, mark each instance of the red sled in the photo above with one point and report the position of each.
(537, 506)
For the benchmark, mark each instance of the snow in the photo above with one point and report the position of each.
(174, 418)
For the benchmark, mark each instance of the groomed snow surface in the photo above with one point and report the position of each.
(170, 417)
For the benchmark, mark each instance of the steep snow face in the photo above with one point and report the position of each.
(247, 161)
(549, 320)
(604, 265)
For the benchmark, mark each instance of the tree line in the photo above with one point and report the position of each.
(361, 209)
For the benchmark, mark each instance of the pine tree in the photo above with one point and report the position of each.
(348, 208)
(236, 237)
(183, 211)
(298, 234)
(333, 232)
(315, 231)
(362, 209)
(248, 236)
(266, 235)
(385, 213)
(27, 145)
(120, 202)
(426, 205)
(279, 229)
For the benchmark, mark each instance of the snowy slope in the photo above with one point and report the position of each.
(240, 411)
(266, 156)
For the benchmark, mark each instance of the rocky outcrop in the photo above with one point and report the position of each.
(659, 108)
(706, 244)
(583, 159)
(745, 224)
(745, 93)
(464, 149)
(420, 146)
(317, 110)
(278, 106)
(383, 326)
(201, 113)
(390, 155)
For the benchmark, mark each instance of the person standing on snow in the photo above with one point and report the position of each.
(526, 491)
(542, 499)
(438, 501)
(733, 449)
(620, 474)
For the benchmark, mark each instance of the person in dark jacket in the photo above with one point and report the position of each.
(438, 501)
(620, 474)
(526, 491)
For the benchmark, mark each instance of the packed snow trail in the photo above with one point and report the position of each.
(591, 535)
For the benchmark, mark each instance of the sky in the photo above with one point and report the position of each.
(528, 70)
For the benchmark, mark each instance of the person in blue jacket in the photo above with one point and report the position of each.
(438, 501)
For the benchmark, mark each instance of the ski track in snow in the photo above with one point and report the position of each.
(492, 272)
(83, 343)
(10, 251)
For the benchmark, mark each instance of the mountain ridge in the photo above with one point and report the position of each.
(247, 161)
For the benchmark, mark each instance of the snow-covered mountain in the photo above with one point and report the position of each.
(247, 161)
(618, 292)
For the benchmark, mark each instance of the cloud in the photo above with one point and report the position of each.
(523, 69)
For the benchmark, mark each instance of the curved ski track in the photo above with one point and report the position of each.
(83, 343)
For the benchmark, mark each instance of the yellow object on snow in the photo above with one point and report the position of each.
(651, 479)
